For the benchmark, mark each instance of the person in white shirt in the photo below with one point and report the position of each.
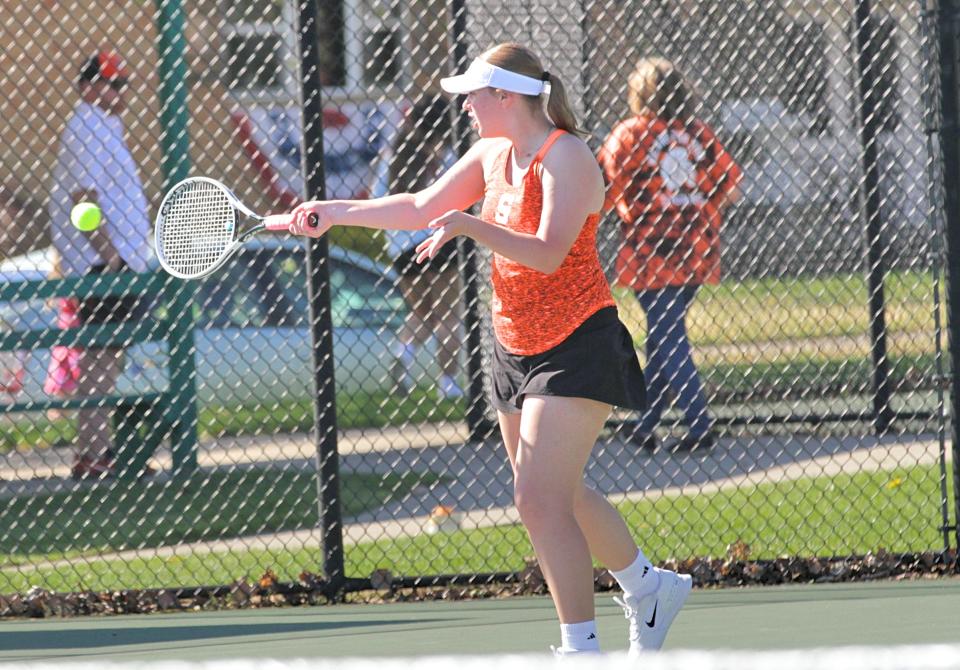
(95, 165)
(432, 290)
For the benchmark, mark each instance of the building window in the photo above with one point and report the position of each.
(360, 44)
(805, 86)
(381, 57)
(880, 43)
(253, 61)
(373, 42)
(332, 44)
(258, 44)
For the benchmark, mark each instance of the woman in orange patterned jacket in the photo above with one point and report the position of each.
(669, 180)
(561, 357)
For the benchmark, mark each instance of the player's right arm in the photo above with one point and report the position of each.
(84, 148)
(457, 189)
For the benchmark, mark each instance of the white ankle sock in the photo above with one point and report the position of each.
(638, 578)
(579, 636)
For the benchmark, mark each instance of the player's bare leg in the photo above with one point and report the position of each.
(549, 444)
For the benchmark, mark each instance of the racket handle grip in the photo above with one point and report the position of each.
(283, 221)
(277, 222)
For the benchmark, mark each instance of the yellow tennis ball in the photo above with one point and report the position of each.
(85, 216)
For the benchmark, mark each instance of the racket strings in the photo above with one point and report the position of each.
(198, 226)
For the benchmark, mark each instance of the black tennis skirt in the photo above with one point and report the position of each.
(597, 361)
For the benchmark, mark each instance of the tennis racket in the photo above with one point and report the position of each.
(198, 227)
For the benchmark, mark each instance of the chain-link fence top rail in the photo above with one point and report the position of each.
(817, 352)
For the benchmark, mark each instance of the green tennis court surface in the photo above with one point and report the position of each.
(787, 617)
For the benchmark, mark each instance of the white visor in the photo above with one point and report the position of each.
(482, 74)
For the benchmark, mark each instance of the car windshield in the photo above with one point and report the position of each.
(266, 288)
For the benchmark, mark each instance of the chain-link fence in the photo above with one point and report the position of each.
(165, 434)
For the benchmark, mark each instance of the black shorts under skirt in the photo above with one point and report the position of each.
(597, 361)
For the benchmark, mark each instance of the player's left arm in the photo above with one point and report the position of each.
(572, 190)
(86, 148)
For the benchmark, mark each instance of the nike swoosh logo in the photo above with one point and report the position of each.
(653, 617)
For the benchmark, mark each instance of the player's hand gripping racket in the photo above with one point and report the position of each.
(198, 227)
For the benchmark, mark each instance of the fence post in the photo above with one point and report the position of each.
(586, 74)
(868, 68)
(318, 291)
(477, 422)
(175, 140)
(950, 148)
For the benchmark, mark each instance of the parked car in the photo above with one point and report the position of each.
(252, 336)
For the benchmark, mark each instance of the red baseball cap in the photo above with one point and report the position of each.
(106, 65)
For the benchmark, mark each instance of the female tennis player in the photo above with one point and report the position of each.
(562, 357)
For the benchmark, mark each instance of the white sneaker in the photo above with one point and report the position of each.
(404, 359)
(650, 616)
(401, 377)
(449, 389)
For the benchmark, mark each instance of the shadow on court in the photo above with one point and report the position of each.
(769, 618)
(105, 636)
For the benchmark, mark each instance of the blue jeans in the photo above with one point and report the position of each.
(669, 363)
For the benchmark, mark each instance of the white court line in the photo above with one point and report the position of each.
(926, 657)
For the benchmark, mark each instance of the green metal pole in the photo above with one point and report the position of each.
(175, 141)
(173, 92)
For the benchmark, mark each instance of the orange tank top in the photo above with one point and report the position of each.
(533, 311)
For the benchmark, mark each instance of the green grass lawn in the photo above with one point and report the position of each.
(209, 506)
(356, 410)
(841, 515)
(797, 308)
(897, 510)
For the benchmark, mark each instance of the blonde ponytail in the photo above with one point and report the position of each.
(558, 107)
(517, 58)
